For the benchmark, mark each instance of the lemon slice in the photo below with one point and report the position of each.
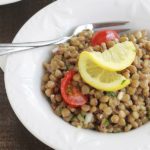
(97, 77)
(117, 58)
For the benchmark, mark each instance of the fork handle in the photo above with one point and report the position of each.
(34, 44)
(7, 48)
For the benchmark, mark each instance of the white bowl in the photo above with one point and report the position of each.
(23, 73)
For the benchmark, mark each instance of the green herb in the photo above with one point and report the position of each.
(74, 119)
(105, 122)
(111, 94)
(123, 81)
(67, 66)
(80, 117)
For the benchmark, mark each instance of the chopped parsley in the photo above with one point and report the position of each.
(105, 122)
(123, 81)
(111, 94)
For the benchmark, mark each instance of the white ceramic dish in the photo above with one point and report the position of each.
(3, 2)
(23, 73)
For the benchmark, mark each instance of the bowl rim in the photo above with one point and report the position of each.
(54, 145)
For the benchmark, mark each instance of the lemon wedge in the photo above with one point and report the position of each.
(117, 58)
(95, 76)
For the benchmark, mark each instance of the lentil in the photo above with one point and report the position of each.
(85, 89)
(115, 119)
(122, 114)
(93, 102)
(85, 108)
(122, 122)
(65, 112)
(104, 99)
(107, 110)
(135, 115)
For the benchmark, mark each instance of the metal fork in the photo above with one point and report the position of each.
(6, 48)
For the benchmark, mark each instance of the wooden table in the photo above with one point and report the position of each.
(13, 135)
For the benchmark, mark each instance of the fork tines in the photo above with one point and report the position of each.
(109, 24)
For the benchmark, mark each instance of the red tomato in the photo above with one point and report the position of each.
(74, 97)
(104, 36)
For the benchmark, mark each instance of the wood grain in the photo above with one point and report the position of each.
(13, 135)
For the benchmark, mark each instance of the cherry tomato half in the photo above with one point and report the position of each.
(104, 36)
(74, 97)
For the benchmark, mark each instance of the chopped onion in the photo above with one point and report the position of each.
(120, 95)
(88, 118)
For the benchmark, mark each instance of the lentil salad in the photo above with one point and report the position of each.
(112, 112)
